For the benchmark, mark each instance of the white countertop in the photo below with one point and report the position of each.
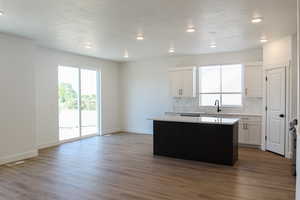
(201, 120)
(224, 114)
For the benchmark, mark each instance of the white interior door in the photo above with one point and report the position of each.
(276, 110)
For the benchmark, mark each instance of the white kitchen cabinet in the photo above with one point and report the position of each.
(254, 81)
(176, 83)
(254, 134)
(183, 82)
(250, 131)
(243, 134)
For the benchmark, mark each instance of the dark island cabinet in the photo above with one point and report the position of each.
(214, 143)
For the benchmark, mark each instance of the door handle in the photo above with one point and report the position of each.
(281, 115)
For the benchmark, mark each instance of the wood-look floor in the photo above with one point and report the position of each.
(122, 167)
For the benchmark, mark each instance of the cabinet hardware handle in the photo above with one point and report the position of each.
(179, 92)
(246, 91)
(245, 126)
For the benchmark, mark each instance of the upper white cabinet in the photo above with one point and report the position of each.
(183, 82)
(254, 81)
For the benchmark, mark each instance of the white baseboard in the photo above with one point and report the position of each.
(109, 131)
(289, 155)
(139, 131)
(250, 146)
(47, 145)
(19, 156)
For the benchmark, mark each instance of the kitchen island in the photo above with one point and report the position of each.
(207, 139)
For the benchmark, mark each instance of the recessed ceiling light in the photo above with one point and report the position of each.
(191, 29)
(1, 13)
(88, 46)
(213, 45)
(126, 54)
(140, 36)
(263, 40)
(256, 20)
(171, 50)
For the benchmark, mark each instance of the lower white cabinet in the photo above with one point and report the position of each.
(250, 128)
(250, 132)
(243, 134)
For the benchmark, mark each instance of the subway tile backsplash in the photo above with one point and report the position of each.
(250, 106)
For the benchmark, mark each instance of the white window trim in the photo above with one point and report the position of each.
(220, 93)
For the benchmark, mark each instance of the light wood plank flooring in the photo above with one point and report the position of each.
(122, 167)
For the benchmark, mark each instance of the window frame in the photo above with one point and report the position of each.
(221, 92)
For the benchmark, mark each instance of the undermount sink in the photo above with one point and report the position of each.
(214, 115)
(190, 114)
(203, 115)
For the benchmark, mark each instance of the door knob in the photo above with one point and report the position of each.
(281, 115)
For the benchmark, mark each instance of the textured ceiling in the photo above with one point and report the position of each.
(111, 25)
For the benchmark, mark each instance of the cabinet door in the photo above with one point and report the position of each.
(189, 83)
(243, 133)
(253, 81)
(176, 83)
(183, 82)
(254, 134)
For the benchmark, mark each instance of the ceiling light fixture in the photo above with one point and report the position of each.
(171, 50)
(263, 40)
(256, 20)
(126, 54)
(191, 29)
(1, 13)
(88, 46)
(140, 36)
(213, 45)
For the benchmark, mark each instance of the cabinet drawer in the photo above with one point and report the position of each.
(250, 119)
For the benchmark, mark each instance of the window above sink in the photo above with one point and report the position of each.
(220, 82)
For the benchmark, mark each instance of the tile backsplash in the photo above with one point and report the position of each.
(250, 106)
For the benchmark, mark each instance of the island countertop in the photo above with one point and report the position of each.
(201, 120)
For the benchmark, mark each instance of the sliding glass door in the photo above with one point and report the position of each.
(78, 87)
(89, 114)
(68, 81)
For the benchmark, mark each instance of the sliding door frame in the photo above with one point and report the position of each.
(98, 104)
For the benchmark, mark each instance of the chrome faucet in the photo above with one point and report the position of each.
(217, 103)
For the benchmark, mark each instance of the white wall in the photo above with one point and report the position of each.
(17, 97)
(46, 92)
(145, 84)
(29, 96)
(277, 52)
